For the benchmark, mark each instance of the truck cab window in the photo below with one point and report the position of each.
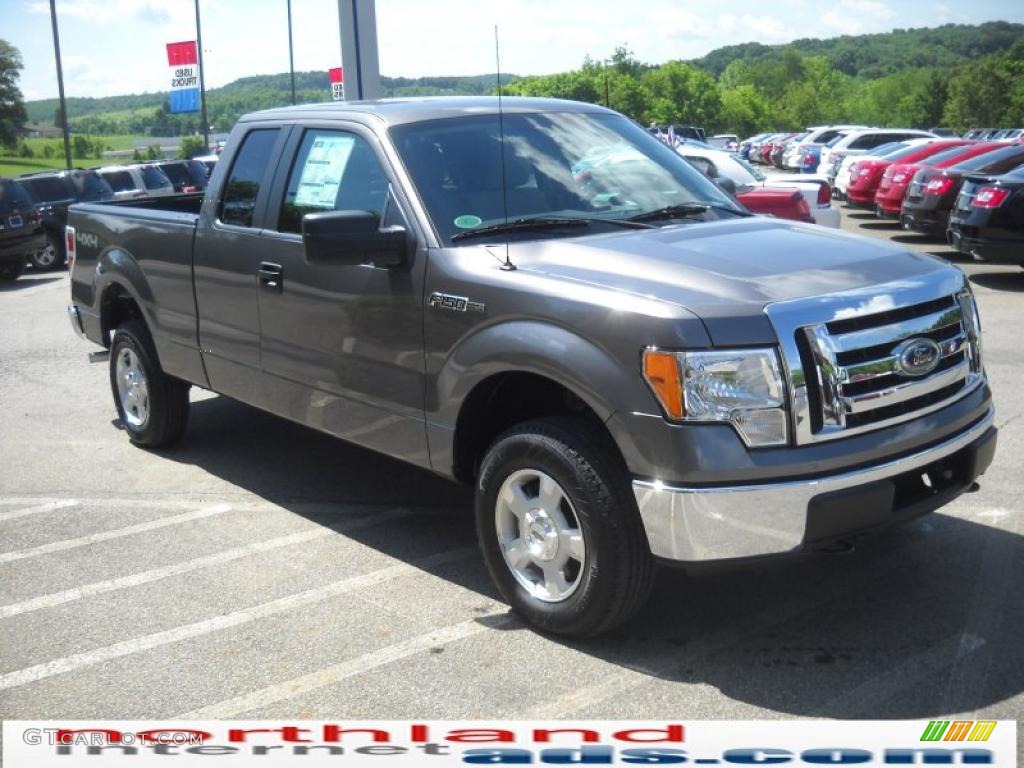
(333, 171)
(247, 174)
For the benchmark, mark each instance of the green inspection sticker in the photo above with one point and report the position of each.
(468, 221)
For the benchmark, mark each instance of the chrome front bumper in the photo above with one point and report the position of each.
(76, 320)
(694, 524)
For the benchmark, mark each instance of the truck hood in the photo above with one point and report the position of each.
(726, 272)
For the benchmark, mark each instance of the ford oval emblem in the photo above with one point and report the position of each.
(917, 357)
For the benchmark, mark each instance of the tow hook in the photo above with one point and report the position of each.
(836, 548)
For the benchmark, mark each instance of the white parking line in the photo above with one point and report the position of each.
(289, 689)
(93, 538)
(47, 507)
(176, 569)
(309, 597)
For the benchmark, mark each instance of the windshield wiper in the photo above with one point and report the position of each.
(683, 210)
(546, 223)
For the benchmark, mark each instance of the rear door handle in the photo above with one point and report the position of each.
(271, 276)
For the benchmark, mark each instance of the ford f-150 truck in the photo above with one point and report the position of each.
(543, 300)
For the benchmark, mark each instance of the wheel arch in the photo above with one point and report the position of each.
(519, 371)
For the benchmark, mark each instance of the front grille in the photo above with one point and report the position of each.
(854, 372)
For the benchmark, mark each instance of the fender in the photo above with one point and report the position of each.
(592, 373)
(116, 268)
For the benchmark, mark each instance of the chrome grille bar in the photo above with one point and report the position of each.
(897, 332)
(840, 354)
(901, 393)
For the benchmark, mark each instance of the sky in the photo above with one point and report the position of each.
(114, 47)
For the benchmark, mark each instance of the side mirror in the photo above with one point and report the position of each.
(726, 185)
(352, 238)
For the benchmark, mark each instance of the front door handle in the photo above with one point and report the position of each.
(271, 276)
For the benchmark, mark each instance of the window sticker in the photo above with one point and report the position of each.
(468, 221)
(322, 172)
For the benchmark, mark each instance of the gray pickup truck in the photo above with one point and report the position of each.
(545, 301)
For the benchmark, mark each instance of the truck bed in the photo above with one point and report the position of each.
(149, 243)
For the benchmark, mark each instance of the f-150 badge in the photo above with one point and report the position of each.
(455, 303)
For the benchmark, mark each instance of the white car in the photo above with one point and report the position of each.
(862, 142)
(845, 171)
(717, 164)
(140, 180)
(820, 135)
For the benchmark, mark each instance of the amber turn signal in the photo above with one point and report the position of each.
(661, 370)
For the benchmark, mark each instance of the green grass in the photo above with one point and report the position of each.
(12, 165)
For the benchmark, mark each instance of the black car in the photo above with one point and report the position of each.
(21, 231)
(186, 175)
(988, 218)
(932, 193)
(53, 192)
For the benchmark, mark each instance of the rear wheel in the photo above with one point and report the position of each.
(50, 257)
(11, 271)
(559, 528)
(152, 405)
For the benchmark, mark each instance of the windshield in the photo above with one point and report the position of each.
(1005, 157)
(560, 164)
(951, 154)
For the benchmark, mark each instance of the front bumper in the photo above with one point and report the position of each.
(723, 522)
(76, 321)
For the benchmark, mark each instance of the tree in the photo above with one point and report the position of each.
(191, 146)
(12, 104)
(81, 147)
(682, 94)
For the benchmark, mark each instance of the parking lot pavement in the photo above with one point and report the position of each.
(263, 570)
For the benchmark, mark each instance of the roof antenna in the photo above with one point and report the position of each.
(508, 266)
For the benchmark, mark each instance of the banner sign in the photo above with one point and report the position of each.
(183, 60)
(310, 743)
(337, 83)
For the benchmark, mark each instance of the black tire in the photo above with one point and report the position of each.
(615, 578)
(166, 400)
(11, 271)
(51, 257)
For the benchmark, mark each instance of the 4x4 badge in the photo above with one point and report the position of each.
(455, 303)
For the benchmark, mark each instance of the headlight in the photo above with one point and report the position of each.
(972, 324)
(742, 387)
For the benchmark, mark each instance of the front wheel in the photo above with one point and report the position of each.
(559, 528)
(152, 405)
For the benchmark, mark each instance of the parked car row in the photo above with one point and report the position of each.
(49, 193)
(982, 134)
(969, 192)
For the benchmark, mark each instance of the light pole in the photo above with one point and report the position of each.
(291, 56)
(202, 80)
(60, 85)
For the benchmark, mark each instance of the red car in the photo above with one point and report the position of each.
(868, 175)
(782, 203)
(892, 189)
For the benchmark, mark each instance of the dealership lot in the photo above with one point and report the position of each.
(263, 570)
